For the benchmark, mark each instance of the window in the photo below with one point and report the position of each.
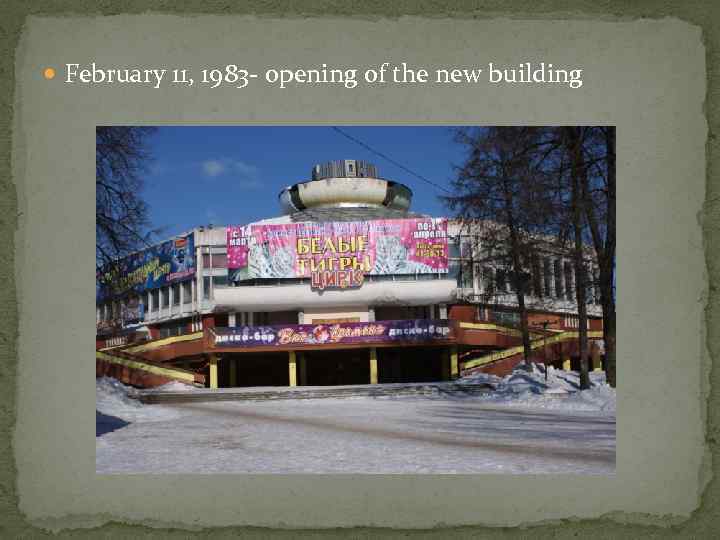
(557, 272)
(219, 260)
(509, 318)
(536, 277)
(215, 260)
(165, 294)
(568, 282)
(187, 291)
(206, 287)
(156, 299)
(488, 280)
(467, 276)
(176, 294)
(501, 280)
(466, 248)
(547, 277)
(220, 281)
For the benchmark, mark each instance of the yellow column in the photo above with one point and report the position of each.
(303, 368)
(566, 364)
(445, 365)
(213, 371)
(596, 360)
(453, 362)
(292, 365)
(233, 371)
(373, 366)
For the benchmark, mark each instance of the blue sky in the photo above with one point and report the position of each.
(232, 175)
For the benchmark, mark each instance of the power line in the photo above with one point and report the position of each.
(400, 165)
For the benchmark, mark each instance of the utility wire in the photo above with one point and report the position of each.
(400, 165)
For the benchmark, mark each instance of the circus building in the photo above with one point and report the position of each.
(347, 286)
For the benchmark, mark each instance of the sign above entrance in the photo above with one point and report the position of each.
(338, 254)
(403, 332)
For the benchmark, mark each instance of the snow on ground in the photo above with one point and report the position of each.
(175, 386)
(517, 429)
(561, 390)
(113, 399)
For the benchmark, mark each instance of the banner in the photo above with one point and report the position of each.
(412, 332)
(338, 254)
(132, 311)
(154, 267)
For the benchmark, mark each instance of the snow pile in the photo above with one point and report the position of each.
(175, 386)
(561, 390)
(114, 399)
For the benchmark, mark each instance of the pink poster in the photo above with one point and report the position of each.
(339, 254)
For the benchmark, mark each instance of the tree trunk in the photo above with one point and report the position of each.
(576, 201)
(608, 303)
(516, 276)
(524, 328)
(609, 282)
(605, 251)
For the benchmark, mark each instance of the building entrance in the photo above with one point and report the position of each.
(410, 364)
(255, 369)
(326, 368)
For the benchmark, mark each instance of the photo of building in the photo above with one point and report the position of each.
(347, 285)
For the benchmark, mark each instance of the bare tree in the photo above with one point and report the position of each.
(497, 184)
(598, 194)
(573, 137)
(121, 215)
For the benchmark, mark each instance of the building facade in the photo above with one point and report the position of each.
(346, 286)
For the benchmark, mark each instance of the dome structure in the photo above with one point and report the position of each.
(345, 190)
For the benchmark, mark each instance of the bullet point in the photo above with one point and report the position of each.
(49, 73)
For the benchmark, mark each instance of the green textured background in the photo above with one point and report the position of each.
(703, 14)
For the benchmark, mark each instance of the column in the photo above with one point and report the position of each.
(558, 287)
(373, 366)
(171, 299)
(292, 368)
(182, 297)
(573, 283)
(193, 294)
(567, 366)
(231, 319)
(453, 362)
(552, 291)
(301, 317)
(443, 311)
(596, 359)
(233, 371)
(371, 314)
(302, 365)
(213, 371)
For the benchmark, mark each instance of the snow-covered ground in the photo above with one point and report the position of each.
(526, 426)
(531, 389)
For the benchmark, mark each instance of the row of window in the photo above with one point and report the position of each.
(163, 297)
(556, 280)
(133, 307)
